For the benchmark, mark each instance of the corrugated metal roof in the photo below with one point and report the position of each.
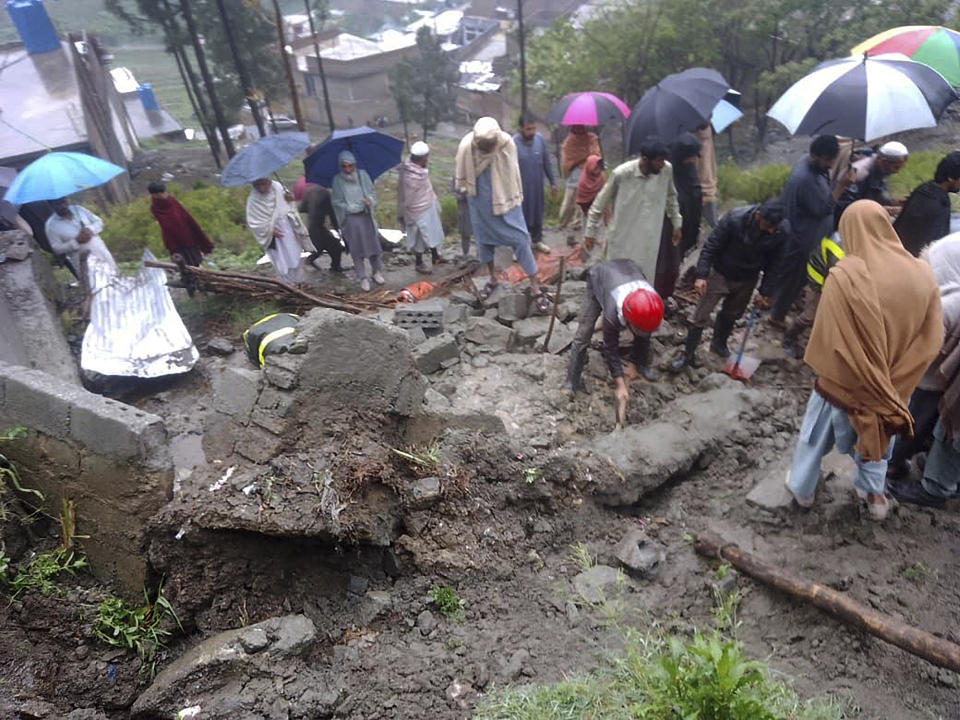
(134, 330)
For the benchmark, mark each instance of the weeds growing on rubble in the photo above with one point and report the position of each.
(427, 457)
(447, 602)
(41, 572)
(141, 629)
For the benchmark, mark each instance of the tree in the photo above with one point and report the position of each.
(319, 9)
(760, 46)
(424, 85)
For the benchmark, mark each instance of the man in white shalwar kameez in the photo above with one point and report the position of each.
(270, 218)
(418, 211)
(74, 231)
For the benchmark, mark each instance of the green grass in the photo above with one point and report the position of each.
(736, 185)
(237, 314)
(41, 572)
(447, 602)
(664, 677)
(221, 212)
(141, 629)
(75, 15)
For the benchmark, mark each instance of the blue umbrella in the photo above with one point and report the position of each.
(265, 156)
(376, 152)
(58, 174)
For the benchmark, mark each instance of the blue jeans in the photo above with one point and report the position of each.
(825, 427)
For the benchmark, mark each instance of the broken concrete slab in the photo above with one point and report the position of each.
(430, 354)
(597, 584)
(647, 457)
(770, 493)
(219, 346)
(235, 391)
(560, 339)
(416, 334)
(486, 331)
(513, 307)
(528, 331)
(255, 671)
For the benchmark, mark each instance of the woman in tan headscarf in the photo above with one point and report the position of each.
(877, 329)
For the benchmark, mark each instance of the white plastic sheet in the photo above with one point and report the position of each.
(134, 330)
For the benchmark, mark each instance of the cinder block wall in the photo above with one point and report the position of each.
(111, 459)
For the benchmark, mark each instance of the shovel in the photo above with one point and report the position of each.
(743, 367)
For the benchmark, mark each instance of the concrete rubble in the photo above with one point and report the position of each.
(256, 671)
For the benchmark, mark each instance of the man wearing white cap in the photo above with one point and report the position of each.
(872, 173)
(487, 171)
(417, 209)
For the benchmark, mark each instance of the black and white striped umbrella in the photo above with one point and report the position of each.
(864, 98)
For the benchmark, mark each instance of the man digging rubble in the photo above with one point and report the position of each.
(746, 242)
(617, 291)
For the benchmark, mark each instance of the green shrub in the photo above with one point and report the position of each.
(754, 186)
(221, 212)
(447, 602)
(919, 169)
(448, 214)
(664, 678)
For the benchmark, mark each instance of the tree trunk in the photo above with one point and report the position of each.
(241, 68)
(288, 71)
(211, 135)
(323, 77)
(207, 78)
(938, 651)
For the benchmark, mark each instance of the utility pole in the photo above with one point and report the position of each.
(207, 78)
(241, 68)
(323, 76)
(294, 97)
(523, 59)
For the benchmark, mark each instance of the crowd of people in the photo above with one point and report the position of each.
(873, 279)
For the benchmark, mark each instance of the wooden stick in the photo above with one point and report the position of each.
(243, 281)
(938, 651)
(556, 303)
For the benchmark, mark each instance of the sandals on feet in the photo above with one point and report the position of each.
(542, 302)
(487, 290)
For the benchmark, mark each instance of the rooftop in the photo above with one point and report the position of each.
(40, 105)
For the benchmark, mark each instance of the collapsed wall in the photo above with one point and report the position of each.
(29, 326)
(111, 459)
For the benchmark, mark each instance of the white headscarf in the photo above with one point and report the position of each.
(943, 256)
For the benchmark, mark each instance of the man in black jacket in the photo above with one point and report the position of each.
(747, 241)
(925, 216)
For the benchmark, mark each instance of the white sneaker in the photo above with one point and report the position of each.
(365, 284)
(542, 247)
(378, 278)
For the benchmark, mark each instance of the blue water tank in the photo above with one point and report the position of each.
(33, 24)
(147, 98)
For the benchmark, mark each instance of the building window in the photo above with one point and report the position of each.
(311, 84)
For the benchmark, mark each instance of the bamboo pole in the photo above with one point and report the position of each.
(937, 651)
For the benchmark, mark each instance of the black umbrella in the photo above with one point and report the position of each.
(677, 104)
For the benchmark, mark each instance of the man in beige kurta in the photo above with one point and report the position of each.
(641, 193)
(707, 170)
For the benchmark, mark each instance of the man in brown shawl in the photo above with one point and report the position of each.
(877, 329)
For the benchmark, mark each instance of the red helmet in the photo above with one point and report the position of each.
(643, 310)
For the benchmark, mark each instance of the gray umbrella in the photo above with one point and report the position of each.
(264, 157)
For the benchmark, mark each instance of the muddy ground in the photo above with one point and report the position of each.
(503, 542)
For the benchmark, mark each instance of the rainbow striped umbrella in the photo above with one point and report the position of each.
(935, 46)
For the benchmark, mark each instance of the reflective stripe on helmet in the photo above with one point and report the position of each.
(270, 337)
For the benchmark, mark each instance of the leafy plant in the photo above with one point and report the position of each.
(531, 475)
(40, 573)
(447, 602)
(142, 629)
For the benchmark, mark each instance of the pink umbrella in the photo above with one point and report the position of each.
(588, 108)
